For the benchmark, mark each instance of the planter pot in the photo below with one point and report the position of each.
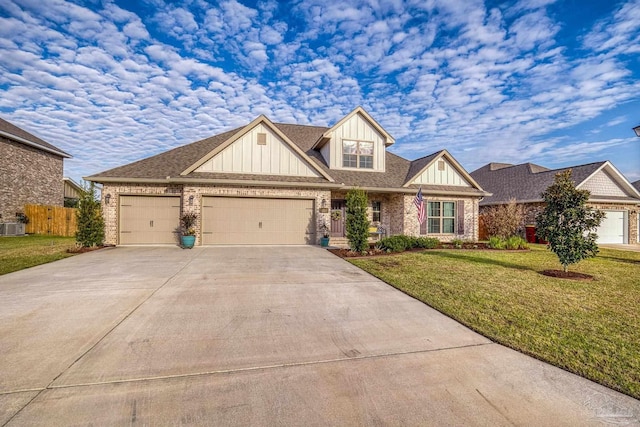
(188, 241)
(324, 242)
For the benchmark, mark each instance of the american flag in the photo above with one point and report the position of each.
(419, 202)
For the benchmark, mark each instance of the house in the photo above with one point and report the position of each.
(72, 192)
(32, 170)
(610, 192)
(275, 183)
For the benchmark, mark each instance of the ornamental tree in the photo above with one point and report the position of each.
(567, 223)
(90, 222)
(357, 222)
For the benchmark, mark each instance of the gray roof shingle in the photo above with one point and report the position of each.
(525, 182)
(173, 162)
(14, 130)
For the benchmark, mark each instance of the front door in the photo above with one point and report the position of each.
(338, 212)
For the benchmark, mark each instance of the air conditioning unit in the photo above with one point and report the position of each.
(11, 229)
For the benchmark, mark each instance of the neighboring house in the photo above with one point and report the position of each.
(31, 171)
(72, 192)
(273, 183)
(610, 192)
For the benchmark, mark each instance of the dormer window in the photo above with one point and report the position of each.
(357, 154)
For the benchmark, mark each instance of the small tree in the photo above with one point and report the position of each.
(90, 222)
(357, 222)
(504, 220)
(567, 223)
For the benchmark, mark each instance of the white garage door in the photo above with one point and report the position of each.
(148, 220)
(257, 221)
(612, 228)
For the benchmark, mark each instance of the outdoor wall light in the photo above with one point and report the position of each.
(191, 197)
(637, 130)
(107, 198)
(323, 203)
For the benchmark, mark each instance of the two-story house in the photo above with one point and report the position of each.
(274, 183)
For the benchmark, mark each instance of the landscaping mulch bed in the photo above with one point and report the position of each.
(561, 274)
(373, 252)
(85, 249)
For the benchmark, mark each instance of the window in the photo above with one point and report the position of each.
(441, 218)
(357, 154)
(376, 207)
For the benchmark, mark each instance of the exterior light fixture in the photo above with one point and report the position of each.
(637, 130)
(191, 197)
(107, 199)
(323, 206)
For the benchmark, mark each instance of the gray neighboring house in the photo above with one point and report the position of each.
(32, 171)
(275, 183)
(610, 192)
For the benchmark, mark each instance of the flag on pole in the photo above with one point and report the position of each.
(419, 202)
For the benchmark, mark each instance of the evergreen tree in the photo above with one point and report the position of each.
(90, 222)
(567, 223)
(357, 222)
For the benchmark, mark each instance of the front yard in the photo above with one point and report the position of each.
(591, 328)
(17, 253)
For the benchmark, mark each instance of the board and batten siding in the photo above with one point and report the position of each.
(246, 155)
(448, 176)
(357, 128)
(602, 184)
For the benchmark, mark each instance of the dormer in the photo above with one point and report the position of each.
(357, 142)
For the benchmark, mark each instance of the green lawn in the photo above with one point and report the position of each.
(17, 253)
(591, 328)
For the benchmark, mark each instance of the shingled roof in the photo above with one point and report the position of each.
(172, 165)
(14, 133)
(525, 182)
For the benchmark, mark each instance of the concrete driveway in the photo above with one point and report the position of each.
(259, 336)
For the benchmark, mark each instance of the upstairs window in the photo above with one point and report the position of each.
(357, 154)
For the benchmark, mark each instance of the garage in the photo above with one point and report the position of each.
(149, 220)
(612, 229)
(257, 221)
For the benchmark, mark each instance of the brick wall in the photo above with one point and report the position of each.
(29, 176)
(471, 214)
(110, 211)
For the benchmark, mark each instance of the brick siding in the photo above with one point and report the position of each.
(29, 176)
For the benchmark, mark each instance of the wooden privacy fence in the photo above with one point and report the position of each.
(52, 220)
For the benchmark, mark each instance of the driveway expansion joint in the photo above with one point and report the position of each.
(264, 368)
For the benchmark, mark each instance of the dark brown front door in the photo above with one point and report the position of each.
(338, 212)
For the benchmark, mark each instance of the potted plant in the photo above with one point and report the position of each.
(187, 223)
(324, 240)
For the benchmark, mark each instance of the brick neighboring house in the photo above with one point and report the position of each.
(32, 171)
(275, 183)
(610, 192)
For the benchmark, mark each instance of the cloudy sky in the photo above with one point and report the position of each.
(552, 82)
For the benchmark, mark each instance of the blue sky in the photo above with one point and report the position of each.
(552, 82)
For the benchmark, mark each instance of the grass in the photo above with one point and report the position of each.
(17, 253)
(591, 328)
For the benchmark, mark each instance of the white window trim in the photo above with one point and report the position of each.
(357, 154)
(441, 217)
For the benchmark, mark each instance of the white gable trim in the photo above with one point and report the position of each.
(262, 119)
(358, 110)
(619, 178)
(453, 162)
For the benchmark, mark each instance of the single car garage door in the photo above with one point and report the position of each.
(149, 220)
(257, 221)
(612, 228)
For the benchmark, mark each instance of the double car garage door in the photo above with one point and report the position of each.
(225, 221)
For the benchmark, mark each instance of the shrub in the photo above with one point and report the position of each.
(516, 242)
(397, 243)
(503, 220)
(496, 242)
(90, 222)
(427, 242)
(357, 223)
(457, 243)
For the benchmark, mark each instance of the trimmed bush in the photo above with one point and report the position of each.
(427, 242)
(357, 223)
(398, 243)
